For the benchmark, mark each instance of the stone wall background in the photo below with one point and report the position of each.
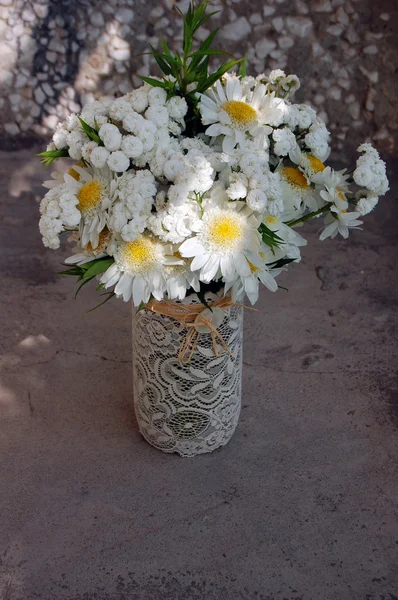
(56, 55)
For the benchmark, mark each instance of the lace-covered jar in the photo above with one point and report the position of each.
(187, 407)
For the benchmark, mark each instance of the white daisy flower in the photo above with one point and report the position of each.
(179, 279)
(339, 222)
(336, 197)
(297, 192)
(232, 113)
(308, 164)
(292, 240)
(259, 272)
(335, 187)
(227, 233)
(138, 269)
(84, 255)
(330, 178)
(94, 190)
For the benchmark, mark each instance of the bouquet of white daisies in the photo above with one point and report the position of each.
(198, 180)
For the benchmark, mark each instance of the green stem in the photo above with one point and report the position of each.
(309, 216)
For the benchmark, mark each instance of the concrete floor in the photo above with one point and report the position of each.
(301, 505)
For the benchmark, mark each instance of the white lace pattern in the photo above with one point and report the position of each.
(186, 408)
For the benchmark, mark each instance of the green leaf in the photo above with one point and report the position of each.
(98, 266)
(194, 64)
(141, 307)
(49, 156)
(209, 53)
(269, 237)
(109, 294)
(84, 282)
(90, 132)
(201, 296)
(73, 271)
(161, 60)
(310, 215)
(217, 75)
(208, 41)
(278, 264)
(243, 67)
(154, 82)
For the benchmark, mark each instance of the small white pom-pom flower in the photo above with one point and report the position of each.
(174, 167)
(111, 137)
(177, 107)
(59, 138)
(132, 122)
(119, 109)
(72, 122)
(71, 217)
(275, 75)
(99, 156)
(257, 200)
(238, 186)
(157, 96)
(132, 146)
(139, 99)
(118, 162)
(367, 203)
(158, 115)
(87, 150)
(285, 141)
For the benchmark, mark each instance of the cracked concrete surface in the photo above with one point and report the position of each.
(301, 505)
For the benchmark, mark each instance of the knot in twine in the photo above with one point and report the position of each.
(197, 319)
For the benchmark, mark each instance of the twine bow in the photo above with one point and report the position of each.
(197, 319)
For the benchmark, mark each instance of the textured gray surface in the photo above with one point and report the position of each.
(302, 504)
(56, 55)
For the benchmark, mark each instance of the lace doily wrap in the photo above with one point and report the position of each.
(189, 408)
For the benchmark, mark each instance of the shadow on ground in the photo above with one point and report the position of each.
(301, 505)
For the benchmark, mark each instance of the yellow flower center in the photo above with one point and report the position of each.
(294, 177)
(316, 165)
(73, 173)
(340, 195)
(140, 255)
(89, 195)
(270, 220)
(253, 268)
(225, 232)
(241, 114)
(103, 241)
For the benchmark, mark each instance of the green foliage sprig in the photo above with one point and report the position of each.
(88, 271)
(310, 215)
(278, 264)
(91, 132)
(49, 156)
(187, 74)
(269, 237)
